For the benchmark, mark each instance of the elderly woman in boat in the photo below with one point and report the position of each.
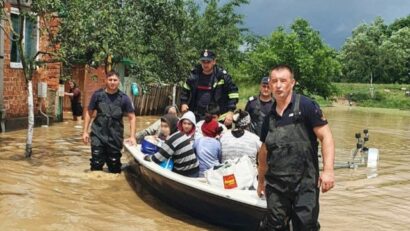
(239, 141)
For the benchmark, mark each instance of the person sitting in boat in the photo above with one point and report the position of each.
(187, 124)
(176, 146)
(215, 115)
(239, 141)
(154, 129)
(208, 148)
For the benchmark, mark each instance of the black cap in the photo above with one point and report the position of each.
(265, 80)
(207, 55)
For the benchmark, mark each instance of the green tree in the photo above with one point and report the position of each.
(162, 38)
(99, 35)
(399, 24)
(361, 54)
(396, 56)
(377, 52)
(219, 29)
(314, 62)
(166, 46)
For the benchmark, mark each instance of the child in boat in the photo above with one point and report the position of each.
(187, 124)
(178, 147)
(207, 147)
(154, 129)
(239, 141)
(215, 116)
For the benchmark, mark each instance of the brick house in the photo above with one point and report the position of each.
(13, 88)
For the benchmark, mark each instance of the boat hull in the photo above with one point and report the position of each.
(215, 209)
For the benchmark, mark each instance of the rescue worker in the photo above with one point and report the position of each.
(259, 106)
(107, 107)
(209, 87)
(288, 171)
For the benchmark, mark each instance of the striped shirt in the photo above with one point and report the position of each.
(179, 148)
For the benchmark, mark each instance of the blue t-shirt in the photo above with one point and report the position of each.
(208, 151)
(126, 105)
(311, 114)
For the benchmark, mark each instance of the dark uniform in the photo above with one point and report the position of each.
(204, 93)
(257, 109)
(293, 171)
(107, 132)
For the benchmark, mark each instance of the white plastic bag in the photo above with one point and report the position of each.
(238, 173)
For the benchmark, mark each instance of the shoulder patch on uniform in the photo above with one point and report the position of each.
(252, 98)
(319, 112)
(322, 116)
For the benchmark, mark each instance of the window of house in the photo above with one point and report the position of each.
(30, 38)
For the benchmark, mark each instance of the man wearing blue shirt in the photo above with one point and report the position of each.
(107, 107)
(288, 160)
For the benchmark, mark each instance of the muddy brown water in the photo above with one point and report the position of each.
(54, 190)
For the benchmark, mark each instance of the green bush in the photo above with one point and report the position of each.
(364, 96)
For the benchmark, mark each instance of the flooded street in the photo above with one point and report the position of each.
(380, 203)
(56, 191)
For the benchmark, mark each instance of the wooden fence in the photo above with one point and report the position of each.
(154, 99)
(151, 101)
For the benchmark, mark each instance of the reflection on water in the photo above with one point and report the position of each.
(55, 191)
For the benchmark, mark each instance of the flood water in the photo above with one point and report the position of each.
(54, 190)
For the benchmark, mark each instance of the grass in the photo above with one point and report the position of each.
(385, 95)
(246, 90)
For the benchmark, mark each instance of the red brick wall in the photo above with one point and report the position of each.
(89, 80)
(94, 79)
(15, 88)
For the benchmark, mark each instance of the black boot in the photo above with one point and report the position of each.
(97, 159)
(114, 163)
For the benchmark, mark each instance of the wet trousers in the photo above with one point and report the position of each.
(105, 154)
(297, 203)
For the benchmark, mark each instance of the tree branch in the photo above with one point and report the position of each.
(6, 16)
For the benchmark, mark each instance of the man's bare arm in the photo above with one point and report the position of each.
(262, 168)
(327, 178)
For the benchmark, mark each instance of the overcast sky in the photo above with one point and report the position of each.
(334, 19)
